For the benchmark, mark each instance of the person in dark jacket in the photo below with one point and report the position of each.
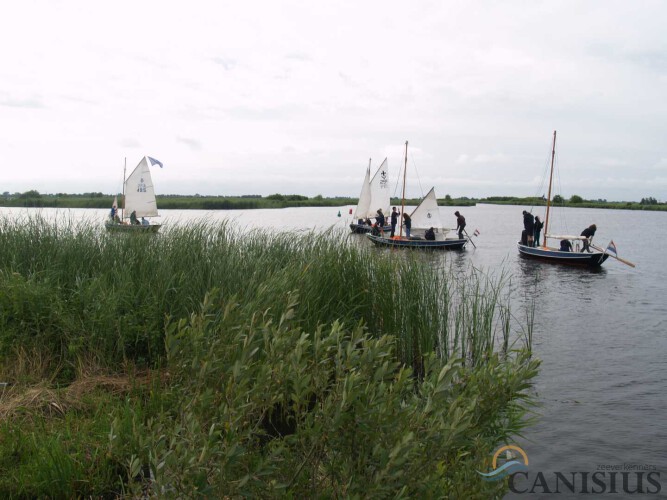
(429, 234)
(565, 246)
(376, 230)
(394, 220)
(379, 218)
(538, 229)
(460, 224)
(529, 227)
(407, 220)
(589, 232)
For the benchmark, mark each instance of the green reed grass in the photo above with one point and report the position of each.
(72, 288)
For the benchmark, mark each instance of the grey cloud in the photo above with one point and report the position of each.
(299, 56)
(22, 103)
(263, 113)
(227, 64)
(655, 60)
(193, 144)
(130, 143)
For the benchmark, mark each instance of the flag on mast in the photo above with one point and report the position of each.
(611, 248)
(155, 162)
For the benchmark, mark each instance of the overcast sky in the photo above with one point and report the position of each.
(261, 97)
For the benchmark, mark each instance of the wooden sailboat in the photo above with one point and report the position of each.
(138, 201)
(374, 195)
(426, 215)
(555, 255)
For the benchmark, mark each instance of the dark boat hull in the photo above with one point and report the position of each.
(133, 228)
(365, 228)
(582, 259)
(453, 244)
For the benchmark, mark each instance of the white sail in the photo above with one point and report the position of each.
(361, 212)
(139, 192)
(380, 191)
(427, 213)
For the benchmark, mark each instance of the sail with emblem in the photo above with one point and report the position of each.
(379, 185)
(427, 213)
(139, 192)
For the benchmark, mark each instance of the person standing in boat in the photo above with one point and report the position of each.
(589, 232)
(538, 229)
(408, 224)
(394, 220)
(379, 218)
(529, 229)
(460, 224)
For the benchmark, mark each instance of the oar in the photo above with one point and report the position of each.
(626, 262)
(469, 238)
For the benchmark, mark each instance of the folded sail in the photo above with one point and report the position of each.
(139, 192)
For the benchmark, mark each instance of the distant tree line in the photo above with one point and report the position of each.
(34, 198)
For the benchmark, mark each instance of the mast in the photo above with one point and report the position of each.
(551, 177)
(405, 169)
(122, 211)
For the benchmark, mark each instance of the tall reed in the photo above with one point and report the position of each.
(72, 288)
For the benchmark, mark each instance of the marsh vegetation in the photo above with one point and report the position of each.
(211, 361)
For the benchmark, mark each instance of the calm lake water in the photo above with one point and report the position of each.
(601, 335)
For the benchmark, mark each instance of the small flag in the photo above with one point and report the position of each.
(611, 247)
(155, 162)
(476, 233)
(350, 211)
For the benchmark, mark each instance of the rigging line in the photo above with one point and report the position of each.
(419, 181)
(545, 177)
(397, 185)
(562, 220)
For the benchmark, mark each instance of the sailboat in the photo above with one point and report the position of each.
(551, 254)
(374, 195)
(138, 201)
(425, 216)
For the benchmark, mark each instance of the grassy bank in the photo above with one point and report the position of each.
(578, 202)
(208, 361)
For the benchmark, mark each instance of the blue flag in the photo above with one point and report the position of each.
(155, 162)
(611, 248)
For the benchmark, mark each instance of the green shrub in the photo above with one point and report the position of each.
(262, 408)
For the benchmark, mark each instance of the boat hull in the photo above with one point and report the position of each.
(365, 228)
(133, 228)
(545, 254)
(452, 244)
